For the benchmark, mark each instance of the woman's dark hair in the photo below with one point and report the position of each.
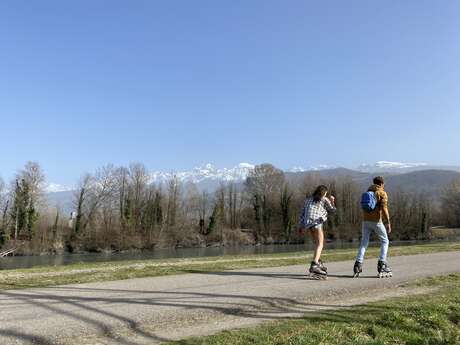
(378, 180)
(319, 192)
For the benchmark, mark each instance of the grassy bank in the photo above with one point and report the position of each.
(97, 272)
(422, 319)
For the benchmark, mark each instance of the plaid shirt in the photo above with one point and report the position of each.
(315, 212)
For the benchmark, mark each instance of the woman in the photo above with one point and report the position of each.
(314, 213)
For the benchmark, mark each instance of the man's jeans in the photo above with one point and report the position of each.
(381, 232)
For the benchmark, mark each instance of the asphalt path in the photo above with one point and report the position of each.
(153, 310)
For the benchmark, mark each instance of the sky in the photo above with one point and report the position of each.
(176, 84)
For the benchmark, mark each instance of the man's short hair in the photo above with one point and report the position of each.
(378, 180)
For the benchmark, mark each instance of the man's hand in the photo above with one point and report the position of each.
(389, 228)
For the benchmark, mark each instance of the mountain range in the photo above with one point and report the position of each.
(208, 175)
(411, 177)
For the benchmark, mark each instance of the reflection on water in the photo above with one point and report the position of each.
(66, 259)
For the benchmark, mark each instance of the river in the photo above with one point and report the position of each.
(66, 259)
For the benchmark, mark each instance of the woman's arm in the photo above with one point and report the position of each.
(330, 204)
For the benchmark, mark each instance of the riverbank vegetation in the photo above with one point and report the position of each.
(432, 318)
(117, 208)
(109, 271)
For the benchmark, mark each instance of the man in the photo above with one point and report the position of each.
(373, 221)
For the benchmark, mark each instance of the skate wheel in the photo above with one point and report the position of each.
(317, 276)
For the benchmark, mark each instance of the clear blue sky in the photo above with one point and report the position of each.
(174, 84)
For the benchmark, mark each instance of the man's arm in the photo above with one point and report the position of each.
(385, 212)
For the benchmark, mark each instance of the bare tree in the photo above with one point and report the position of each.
(204, 205)
(122, 182)
(34, 176)
(81, 196)
(4, 205)
(264, 185)
(95, 195)
(450, 203)
(233, 205)
(139, 178)
(286, 210)
(173, 200)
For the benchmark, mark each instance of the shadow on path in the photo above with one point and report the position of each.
(250, 274)
(30, 338)
(101, 309)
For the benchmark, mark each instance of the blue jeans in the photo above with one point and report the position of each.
(381, 232)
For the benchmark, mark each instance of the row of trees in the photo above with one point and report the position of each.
(118, 208)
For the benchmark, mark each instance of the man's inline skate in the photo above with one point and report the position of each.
(357, 269)
(384, 271)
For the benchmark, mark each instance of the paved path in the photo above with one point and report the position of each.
(151, 310)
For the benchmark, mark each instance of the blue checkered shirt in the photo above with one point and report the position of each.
(315, 212)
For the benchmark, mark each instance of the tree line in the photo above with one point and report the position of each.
(118, 208)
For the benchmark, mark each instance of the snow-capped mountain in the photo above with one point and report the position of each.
(386, 166)
(298, 169)
(209, 173)
(206, 172)
(56, 188)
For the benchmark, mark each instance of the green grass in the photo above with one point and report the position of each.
(421, 319)
(98, 272)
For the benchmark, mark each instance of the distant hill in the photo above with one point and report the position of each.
(430, 182)
(333, 172)
(384, 167)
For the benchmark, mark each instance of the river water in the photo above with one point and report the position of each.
(66, 259)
